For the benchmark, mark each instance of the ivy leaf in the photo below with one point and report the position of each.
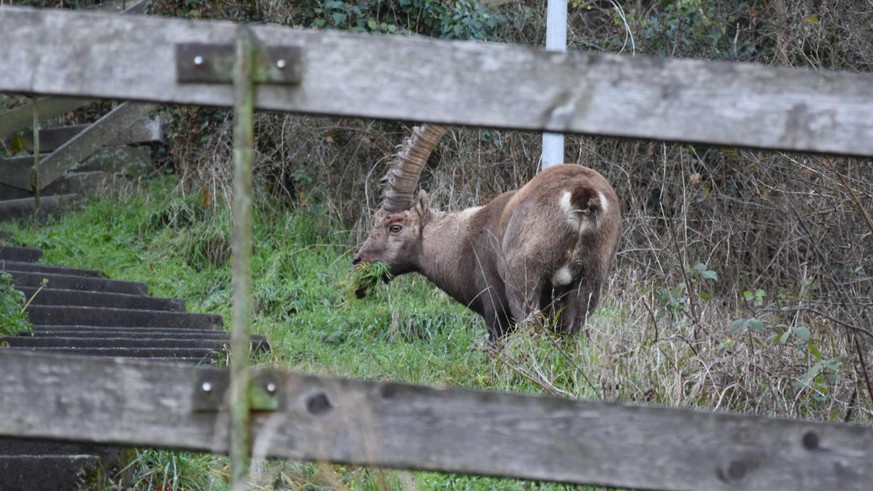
(803, 332)
(709, 275)
(17, 145)
(814, 351)
(812, 372)
(339, 18)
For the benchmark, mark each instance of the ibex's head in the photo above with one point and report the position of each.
(396, 235)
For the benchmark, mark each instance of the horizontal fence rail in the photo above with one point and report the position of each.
(405, 426)
(482, 84)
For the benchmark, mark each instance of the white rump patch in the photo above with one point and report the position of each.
(604, 205)
(565, 203)
(563, 276)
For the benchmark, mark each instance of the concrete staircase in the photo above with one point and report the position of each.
(80, 312)
(70, 190)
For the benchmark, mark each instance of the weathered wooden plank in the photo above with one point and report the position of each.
(412, 78)
(121, 161)
(49, 107)
(15, 172)
(404, 426)
(79, 147)
(141, 131)
(46, 472)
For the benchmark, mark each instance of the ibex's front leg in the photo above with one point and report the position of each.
(496, 313)
(524, 286)
(498, 325)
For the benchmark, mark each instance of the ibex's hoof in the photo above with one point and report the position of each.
(487, 345)
(361, 293)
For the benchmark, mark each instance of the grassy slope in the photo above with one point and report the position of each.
(409, 332)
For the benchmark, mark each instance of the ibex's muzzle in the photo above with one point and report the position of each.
(356, 260)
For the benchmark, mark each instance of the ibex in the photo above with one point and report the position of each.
(544, 249)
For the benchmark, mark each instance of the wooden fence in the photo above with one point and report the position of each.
(405, 426)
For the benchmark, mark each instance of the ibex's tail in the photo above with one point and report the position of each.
(583, 205)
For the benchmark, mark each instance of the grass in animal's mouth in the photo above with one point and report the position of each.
(365, 275)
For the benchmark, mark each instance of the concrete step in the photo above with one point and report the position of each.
(80, 182)
(41, 342)
(51, 296)
(94, 316)
(24, 446)
(91, 331)
(201, 354)
(23, 208)
(177, 360)
(132, 333)
(46, 268)
(46, 472)
(12, 253)
(72, 282)
(77, 182)
(145, 130)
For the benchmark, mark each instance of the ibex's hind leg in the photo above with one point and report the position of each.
(578, 304)
(560, 305)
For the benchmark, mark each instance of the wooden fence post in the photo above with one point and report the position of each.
(240, 431)
(35, 172)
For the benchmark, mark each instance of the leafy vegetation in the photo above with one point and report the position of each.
(13, 318)
(464, 19)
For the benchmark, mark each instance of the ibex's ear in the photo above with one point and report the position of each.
(422, 206)
(423, 202)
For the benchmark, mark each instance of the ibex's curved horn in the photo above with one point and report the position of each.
(405, 167)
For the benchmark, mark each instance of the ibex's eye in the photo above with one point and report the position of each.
(395, 228)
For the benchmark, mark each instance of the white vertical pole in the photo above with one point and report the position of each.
(556, 40)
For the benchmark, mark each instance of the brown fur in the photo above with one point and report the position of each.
(544, 249)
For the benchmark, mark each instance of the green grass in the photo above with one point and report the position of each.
(407, 331)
